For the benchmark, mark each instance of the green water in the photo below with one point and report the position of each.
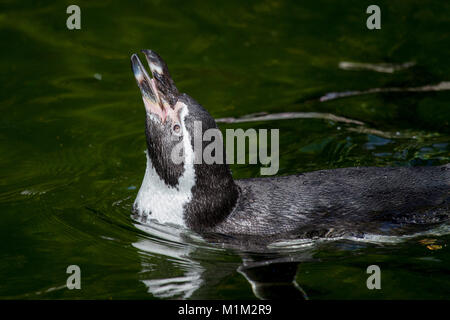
(72, 137)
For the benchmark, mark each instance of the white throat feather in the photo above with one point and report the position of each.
(160, 201)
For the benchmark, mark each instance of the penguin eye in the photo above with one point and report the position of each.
(176, 128)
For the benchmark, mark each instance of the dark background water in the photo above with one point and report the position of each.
(71, 137)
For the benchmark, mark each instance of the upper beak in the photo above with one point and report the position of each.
(158, 93)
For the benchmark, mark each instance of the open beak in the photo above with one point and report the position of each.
(158, 93)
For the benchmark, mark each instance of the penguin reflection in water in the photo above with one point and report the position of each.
(328, 203)
(271, 274)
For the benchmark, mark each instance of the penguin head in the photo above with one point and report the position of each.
(170, 118)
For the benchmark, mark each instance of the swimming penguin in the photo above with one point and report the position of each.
(328, 203)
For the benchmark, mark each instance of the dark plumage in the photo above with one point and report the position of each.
(347, 201)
